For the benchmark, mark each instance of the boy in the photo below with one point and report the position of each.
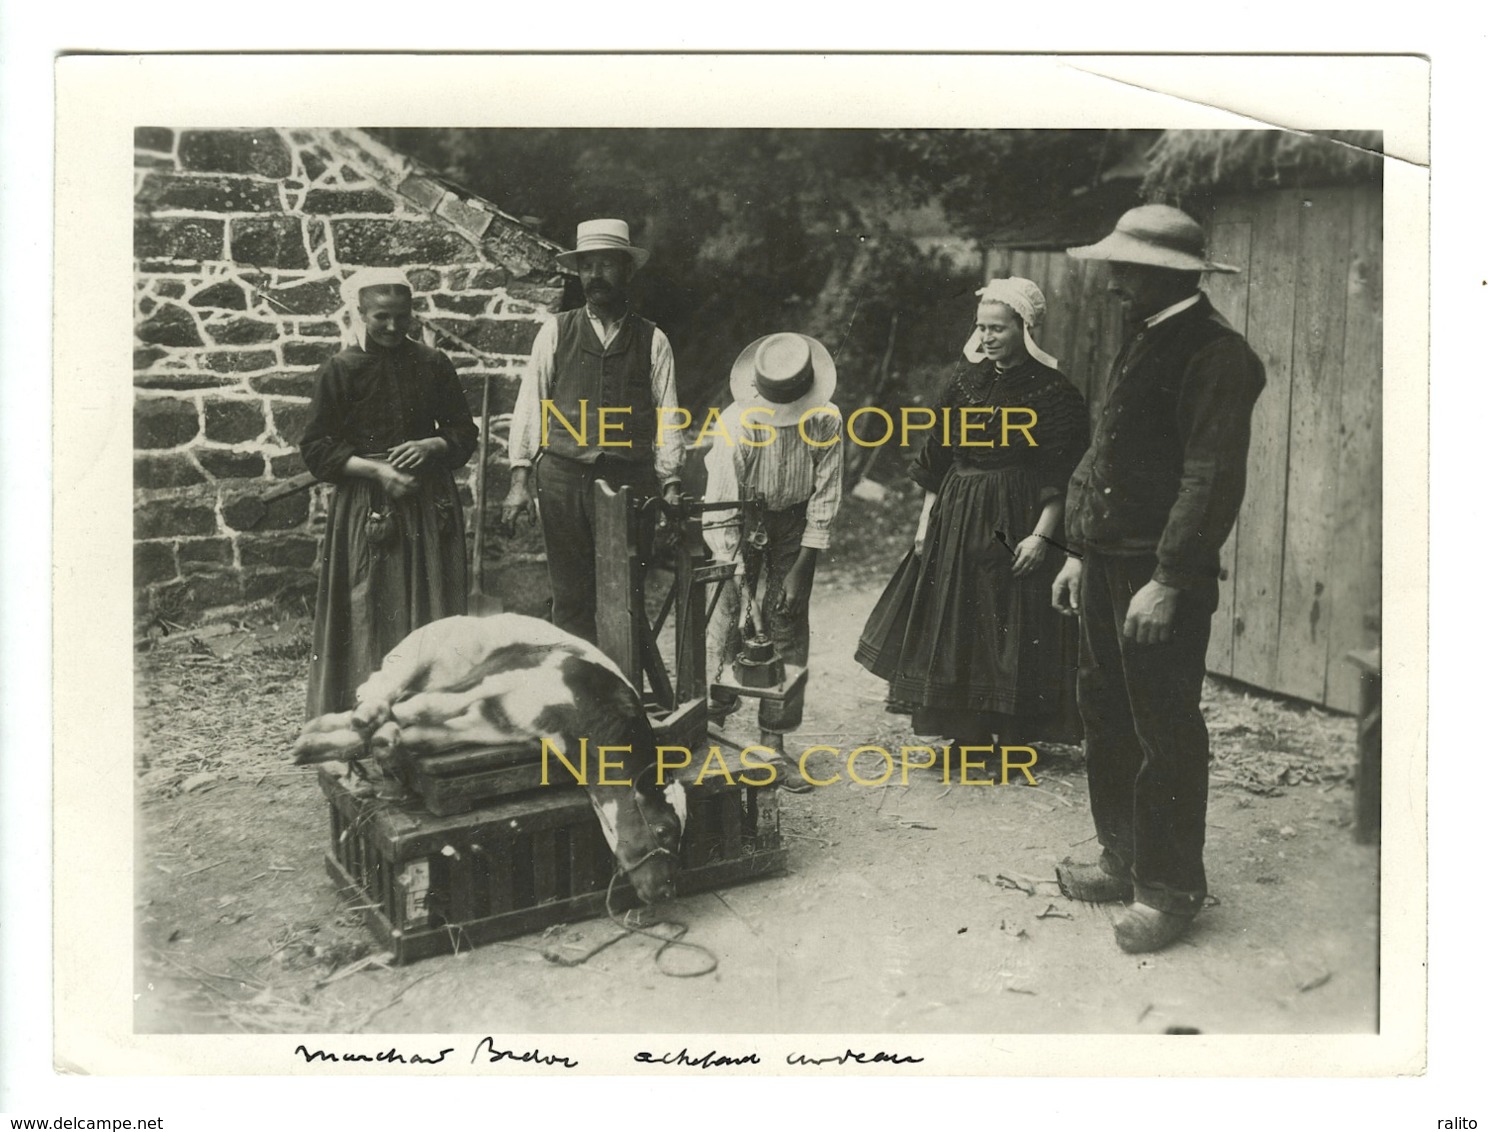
(785, 382)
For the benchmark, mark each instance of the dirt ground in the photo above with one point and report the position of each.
(904, 909)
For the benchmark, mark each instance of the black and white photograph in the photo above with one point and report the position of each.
(878, 584)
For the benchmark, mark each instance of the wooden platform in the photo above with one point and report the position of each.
(432, 885)
(457, 782)
(794, 684)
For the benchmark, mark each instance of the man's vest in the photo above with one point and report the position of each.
(613, 376)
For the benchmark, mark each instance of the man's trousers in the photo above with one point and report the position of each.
(1146, 746)
(565, 496)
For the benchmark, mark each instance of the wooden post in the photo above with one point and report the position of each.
(1367, 770)
(691, 624)
(478, 550)
(862, 468)
(620, 612)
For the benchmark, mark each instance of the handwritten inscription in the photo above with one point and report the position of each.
(487, 1051)
(710, 1060)
(487, 1046)
(389, 1056)
(853, 1057)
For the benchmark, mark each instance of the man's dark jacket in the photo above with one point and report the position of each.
(1165, 470)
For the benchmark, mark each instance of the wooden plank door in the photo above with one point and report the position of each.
(1229, 242)
(1356, 563)
(1270, 314)
(1323, 258)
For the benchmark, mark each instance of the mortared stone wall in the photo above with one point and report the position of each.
(241, 240)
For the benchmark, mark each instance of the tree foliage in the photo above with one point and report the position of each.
(758, 230)
(988, 181)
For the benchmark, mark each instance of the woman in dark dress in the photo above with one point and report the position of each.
(966, 634)
(388, 424)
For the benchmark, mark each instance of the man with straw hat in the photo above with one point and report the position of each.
(600, 359)
(780, 441)
(1148, 509)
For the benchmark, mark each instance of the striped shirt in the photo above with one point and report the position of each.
(786, 472)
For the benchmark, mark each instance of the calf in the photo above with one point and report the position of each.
(479, 681)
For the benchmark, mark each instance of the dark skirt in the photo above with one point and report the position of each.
(380, 579)
(966, 647)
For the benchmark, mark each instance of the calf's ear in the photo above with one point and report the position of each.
(676, 797)
(608, 813)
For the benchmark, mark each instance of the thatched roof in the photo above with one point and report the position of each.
(1190, 168)
(1184, 164)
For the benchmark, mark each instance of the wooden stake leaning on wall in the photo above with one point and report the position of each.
(861, 471)
(479, 604)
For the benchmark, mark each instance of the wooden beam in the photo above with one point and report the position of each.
(618, 580)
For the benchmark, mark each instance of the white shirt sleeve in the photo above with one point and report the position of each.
(722, 529)
(670, 446)
(525, 436)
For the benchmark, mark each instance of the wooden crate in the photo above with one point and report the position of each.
(432, 885)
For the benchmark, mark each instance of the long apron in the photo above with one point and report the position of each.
(387, 568)
(967, 647)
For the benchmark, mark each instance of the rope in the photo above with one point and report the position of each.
(627, 929)
(667, 941)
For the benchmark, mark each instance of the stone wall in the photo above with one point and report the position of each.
(242, 238)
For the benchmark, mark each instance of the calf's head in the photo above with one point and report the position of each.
(642, 817)
(644, 829)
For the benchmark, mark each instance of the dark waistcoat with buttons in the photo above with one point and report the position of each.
(588, 376)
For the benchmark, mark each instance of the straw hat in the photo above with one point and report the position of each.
(603, 236)
(787, 373)
(1157, 235)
